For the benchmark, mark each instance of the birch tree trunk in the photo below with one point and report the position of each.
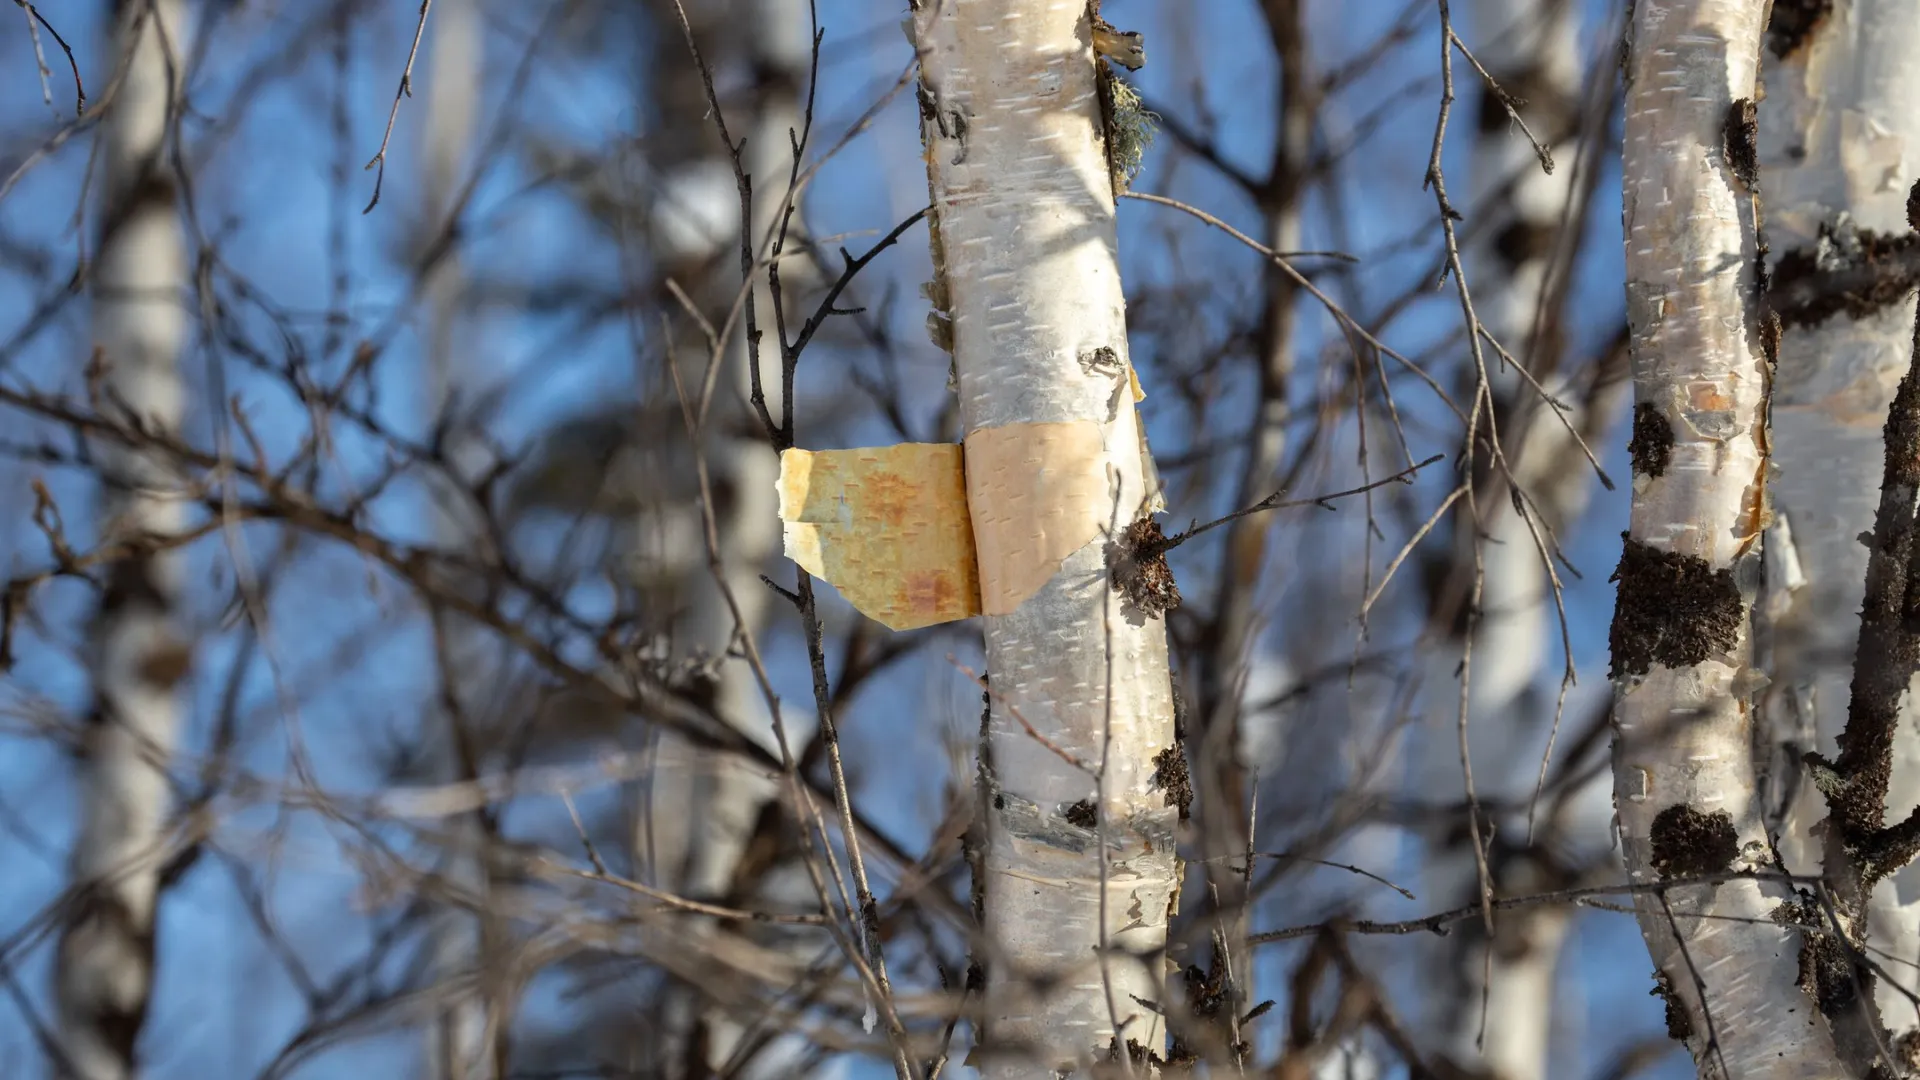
(1685, 789)
(1078, 865)
(141, 655)
(1499, 1011)
(1839, 137)
(727, 795)
(730, 796)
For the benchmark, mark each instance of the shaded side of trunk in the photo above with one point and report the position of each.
(1838, 138)
(1685, 789)
(104, 972)
(1078, 858)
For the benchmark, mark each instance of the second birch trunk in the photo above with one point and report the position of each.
(1838, 135)
(104, 969)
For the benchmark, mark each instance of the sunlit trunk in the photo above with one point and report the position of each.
(1686, 792)
(1079, 861)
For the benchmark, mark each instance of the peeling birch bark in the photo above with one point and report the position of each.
(1026, 253)
(1686, 793)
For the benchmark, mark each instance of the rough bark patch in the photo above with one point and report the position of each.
(100, 924)
(1688, 843)
(1170, 775)
(1742, 137)
(1793, 23)
(1651, 446)
(1671, 609)
(1852, 271)
(1679, 1023)
(1137, 566)
(1827, 973)
(1082, 813)
(166, 664)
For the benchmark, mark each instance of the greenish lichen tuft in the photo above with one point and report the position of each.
(1131, 127)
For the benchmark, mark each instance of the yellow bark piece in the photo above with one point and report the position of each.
(1039, 493)
(887, 526)
(914, 535)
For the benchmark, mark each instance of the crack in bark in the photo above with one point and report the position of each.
(1793, 24)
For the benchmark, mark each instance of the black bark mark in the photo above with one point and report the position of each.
(1651, 446)
(1852, 271)
(1671, 609)
(1793, 24)
(1888, 650)
(1137, 567)
(1742, 139)
(1679, 1023)
(99, 922)
(1688, 843)
(1170, 775)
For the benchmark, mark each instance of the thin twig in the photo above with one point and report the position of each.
(405, 90)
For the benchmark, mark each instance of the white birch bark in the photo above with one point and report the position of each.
(104, 968)
(1026, 256)
(1840, 142)
(1684, 780)
(459, 1038)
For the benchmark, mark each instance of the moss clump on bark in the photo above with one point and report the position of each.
(1170, 775)
(1688, 843)
(1679, 1023)
(1137, 567)
(1671, 609)
(1651, 446)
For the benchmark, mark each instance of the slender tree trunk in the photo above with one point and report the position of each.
(1685, 788)
(1839, 130)
(728, 795)
(1078, 862)
(463, 1038)
(1499, 1013)
(732, 794)
(104, 973)
(1220, 765)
